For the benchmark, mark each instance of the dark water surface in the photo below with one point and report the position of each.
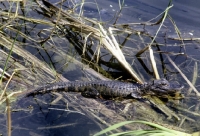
(184, 13)
(45, 120)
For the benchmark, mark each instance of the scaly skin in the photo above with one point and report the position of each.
(112, 89)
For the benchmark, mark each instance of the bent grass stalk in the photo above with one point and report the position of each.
(158, 131)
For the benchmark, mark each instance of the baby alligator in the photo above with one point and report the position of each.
(96, 89)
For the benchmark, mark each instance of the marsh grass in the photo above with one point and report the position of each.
(157, 131)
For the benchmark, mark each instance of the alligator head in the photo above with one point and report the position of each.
(162, 86)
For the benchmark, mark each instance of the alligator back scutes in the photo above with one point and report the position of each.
(104, 88)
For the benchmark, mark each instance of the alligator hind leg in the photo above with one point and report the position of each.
(90, 93)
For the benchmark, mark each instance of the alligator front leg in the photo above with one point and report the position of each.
(136, 95)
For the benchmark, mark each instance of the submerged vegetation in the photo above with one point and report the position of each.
(41, 41)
